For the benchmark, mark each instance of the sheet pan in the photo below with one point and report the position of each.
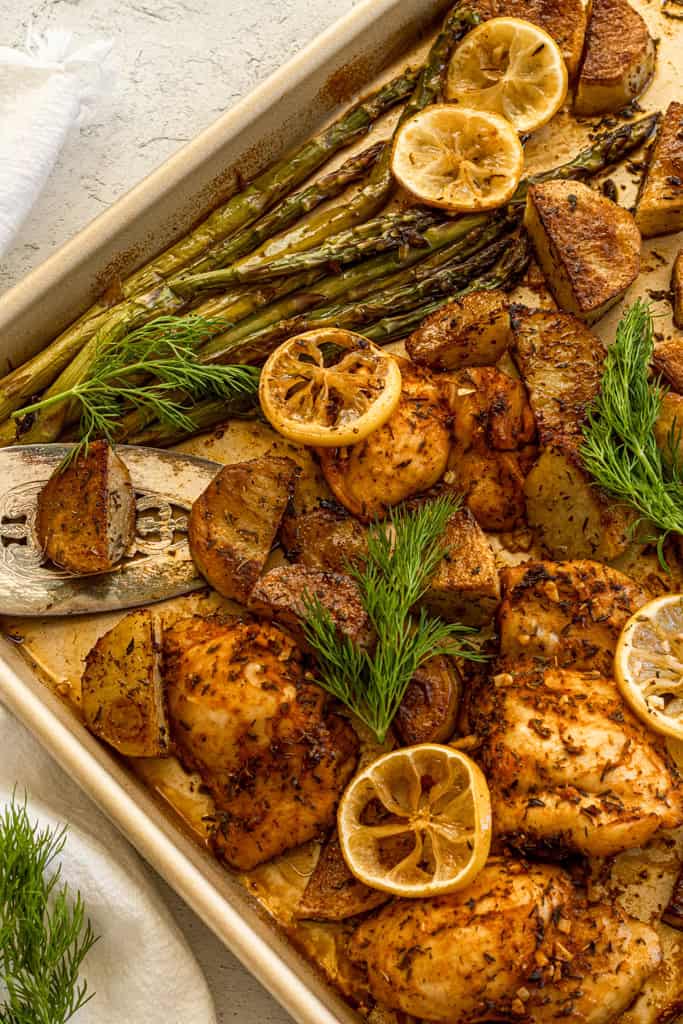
(355, 52)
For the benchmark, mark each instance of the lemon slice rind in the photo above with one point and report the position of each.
(648, 664)
(510, 67)
(449, 823)
(313, 399)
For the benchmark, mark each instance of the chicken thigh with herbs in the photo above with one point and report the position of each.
(244, 715)
(404, 457)
(519, 943)
(568, 766)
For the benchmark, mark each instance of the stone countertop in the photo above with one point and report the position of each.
(176, 66)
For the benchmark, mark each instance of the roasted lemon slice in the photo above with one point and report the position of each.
(458, 159)
(417, 821)
(648, 664)
(509, 67)
(329, 388)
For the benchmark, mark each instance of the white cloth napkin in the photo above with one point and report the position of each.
(141, 969)
(44, 90)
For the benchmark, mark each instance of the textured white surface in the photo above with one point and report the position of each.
(178, 65)
(140, 959)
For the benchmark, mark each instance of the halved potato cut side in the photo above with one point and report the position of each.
(122, 691)
(619, 61)
(587, 246)
(659, 210)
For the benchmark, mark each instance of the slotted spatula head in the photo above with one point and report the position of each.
(158, 564)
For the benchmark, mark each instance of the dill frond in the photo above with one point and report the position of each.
(154, 368)
(619, 448)
(44, 934)
(403, 553)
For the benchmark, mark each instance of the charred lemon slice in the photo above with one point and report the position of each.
(509, 67)
(648, 664)
(457, 159)
(417, 821)
(329, 388)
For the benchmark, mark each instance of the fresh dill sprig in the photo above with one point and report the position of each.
(619, 449)
(44, 934)
(403, 553)
(154, 368)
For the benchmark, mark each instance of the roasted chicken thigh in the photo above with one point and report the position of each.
(568, 766)
(402, 458)
(517, 944)
(244, 715)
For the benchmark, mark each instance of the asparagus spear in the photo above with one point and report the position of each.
(46, 425)
(376, 193)
(355, 282)
(503, 274)
(205, 414)
(37, 373)
(608, 149)
(287, 212)
(274, 183)
(354, 315)
(372, 276)
(380, 234)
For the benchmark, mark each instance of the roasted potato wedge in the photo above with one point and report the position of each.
(86, 512)
(561, 362)
(572, 517)
(327, 537)
(233, 523)
(429, 710)
(123, 699)
(567, 613)
(659, 209)
(465, 586)
(565, 20)
(669, 427)
(471, 331)
(619, 61)
(667, 359)
(677, 292)
(332, 892)
(587, 246)
(280, 594)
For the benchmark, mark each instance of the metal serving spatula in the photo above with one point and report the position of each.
(158, 564)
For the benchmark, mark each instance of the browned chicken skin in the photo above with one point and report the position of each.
(568, 766)
(244, 715)
(404, 457)
(517, 944)
(567, 613)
